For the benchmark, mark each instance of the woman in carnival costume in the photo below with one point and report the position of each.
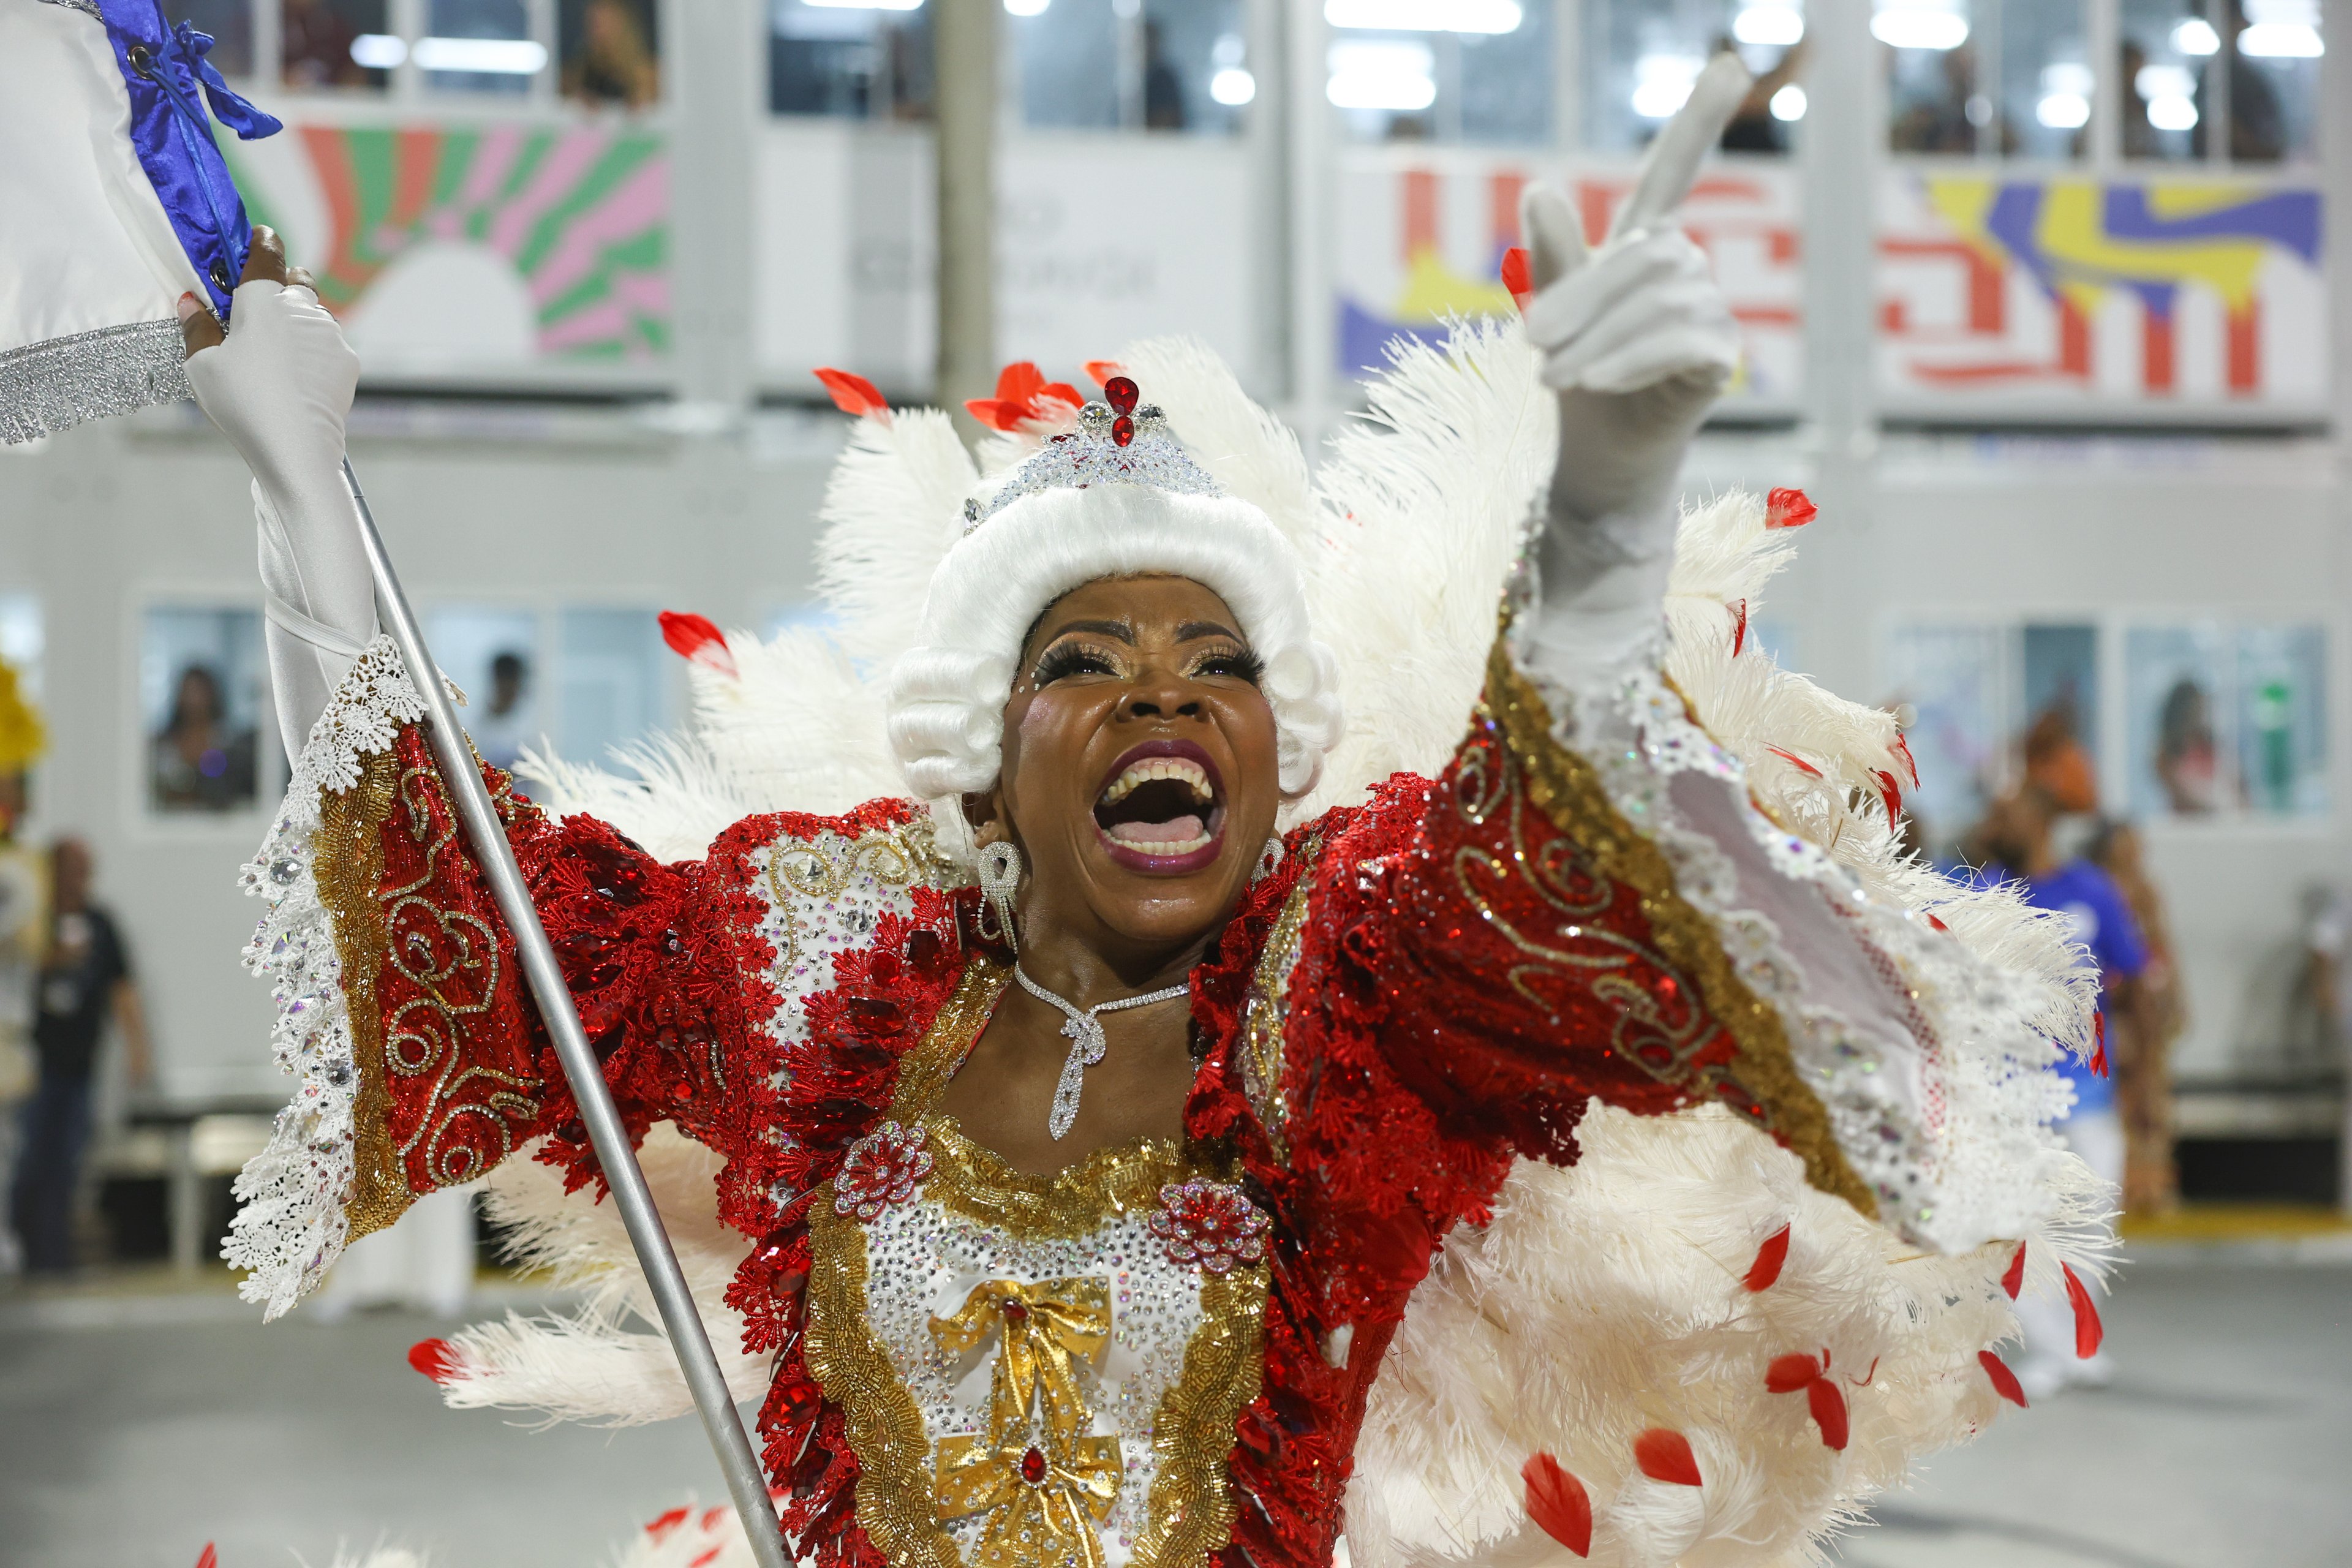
(1270, 1056)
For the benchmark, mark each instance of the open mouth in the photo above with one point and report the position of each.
(1160, 810)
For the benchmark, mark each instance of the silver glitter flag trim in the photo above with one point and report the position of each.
(55, 385)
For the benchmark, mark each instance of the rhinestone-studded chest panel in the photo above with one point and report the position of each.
(1036, 1371)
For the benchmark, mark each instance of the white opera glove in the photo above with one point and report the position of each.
(281, 388)
(1638, 340)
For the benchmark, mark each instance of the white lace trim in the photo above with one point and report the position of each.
(1952, 1134)
(290, 1225)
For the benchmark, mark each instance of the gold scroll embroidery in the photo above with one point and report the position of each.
(1263, 1017)
(1190, 1509)
(1565, 786)
(797, 870)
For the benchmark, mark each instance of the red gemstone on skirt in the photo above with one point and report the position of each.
(1123, 429)
(1033, 1467)
(1121, 394)
(1014, 1312)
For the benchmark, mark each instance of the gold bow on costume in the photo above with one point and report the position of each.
(1034, 1471)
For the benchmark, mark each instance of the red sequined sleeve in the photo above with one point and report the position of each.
(1539, 955)
(455, 1066)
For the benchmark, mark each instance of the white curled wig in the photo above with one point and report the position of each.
(946, 695)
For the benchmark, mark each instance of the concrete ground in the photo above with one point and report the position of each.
(136, 1426)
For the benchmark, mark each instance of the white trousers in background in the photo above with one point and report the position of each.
(423, 1262)
(2048, 1319)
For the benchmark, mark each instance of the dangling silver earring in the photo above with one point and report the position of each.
(1000, 875)
(1269, 859)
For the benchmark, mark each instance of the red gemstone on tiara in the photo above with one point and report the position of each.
(1121, 394)
(1123, 429)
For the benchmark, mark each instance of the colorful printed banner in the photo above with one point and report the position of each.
(474, 247)
(1420, 243)
(2147, 292)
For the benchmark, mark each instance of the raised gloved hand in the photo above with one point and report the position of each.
(278, 384)
(1638, 340)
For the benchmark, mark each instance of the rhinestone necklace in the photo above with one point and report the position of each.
(1083, 1028)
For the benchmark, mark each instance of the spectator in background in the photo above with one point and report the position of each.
(197, 761)
(315, 39)
(499, 734)
(2015, 843)
(610, 59)
(2139, 1044)
(1163, 89)
(84, 980)
(1753, 129)
(2188, 764)
(24, 930)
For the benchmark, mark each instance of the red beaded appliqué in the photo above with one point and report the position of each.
(1209, 1224)
(883, 1168)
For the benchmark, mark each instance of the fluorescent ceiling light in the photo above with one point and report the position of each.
(2195, 37)
(1233, 87)
(489, 57)
(1662, 84)
(1425, 16)
(1788, 103)
(2281, 41)
(2172, 112)
(1397, 76)
(378, 51)
(2069, 76)
(2163, 81)
(1914, 26)
(2063, 111)
(873, 5)
(1026, 7)
(1769, 25)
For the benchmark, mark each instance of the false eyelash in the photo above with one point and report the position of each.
(1243, 662)
(1071, 659)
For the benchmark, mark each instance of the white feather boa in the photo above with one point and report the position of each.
(1602, 1300)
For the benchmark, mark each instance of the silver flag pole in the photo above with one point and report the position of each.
(680, 1320)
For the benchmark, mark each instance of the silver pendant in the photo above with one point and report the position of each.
(1088, 1044)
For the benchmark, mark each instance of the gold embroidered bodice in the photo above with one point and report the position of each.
(1037, 1370)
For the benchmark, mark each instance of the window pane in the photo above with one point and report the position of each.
(1197, 73)
(1952, 678)
(1933, 100)
(2046, 85)
(203, 693)
(230, 24)
(615, 675)
(316, 39)
(611, 52)
(1068, 55)
(1491, 81)
(2168, 46)
(1640, 59)
(2177, 683)
(2283, 719)
(2274, 79)
(851, 62)
(492, 653)
(485, 45)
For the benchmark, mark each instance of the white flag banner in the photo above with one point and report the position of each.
(113, 203)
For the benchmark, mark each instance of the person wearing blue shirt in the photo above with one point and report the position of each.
(2015, 844)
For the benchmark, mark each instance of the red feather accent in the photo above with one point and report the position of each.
(1789, 1374)
(1739, 629)
(1100, 371)
(1020, 386)
(698, 640)
(854, 393)
(436, 1358)
(1891, 793)
(2099, 1044)
(208, 1557)
(1558, 1502)
(707, 1559)
(1910, 762)
(2004, 1382)
(1795, 761)
(1940, 925)
(1785, 508)
(1766, 1270)
(2089, 1332)
(666, 1522)
(1828, 1406)
(1519, 274)
(1664, 1454)
(2012, 1279)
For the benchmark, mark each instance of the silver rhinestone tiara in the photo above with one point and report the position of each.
(1116, 443)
